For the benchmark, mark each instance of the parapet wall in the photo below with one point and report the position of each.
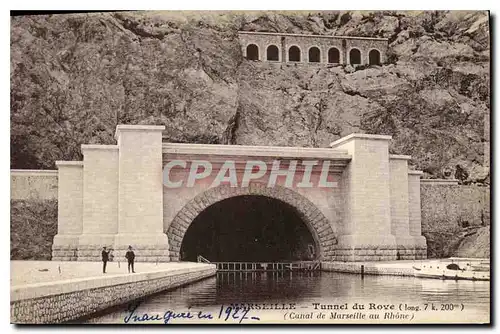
(33, 184)
(57, 302)
(344, 44)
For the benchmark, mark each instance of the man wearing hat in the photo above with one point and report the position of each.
(105, 258)
(130, 258)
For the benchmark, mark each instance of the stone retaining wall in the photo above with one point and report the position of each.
(448, 206)
(33, 184)
(439, 182)
(62, 301)
(376, 253)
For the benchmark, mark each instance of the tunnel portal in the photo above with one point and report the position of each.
(248, 229)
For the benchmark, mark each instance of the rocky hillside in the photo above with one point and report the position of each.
(74, 77)
(473, 241)
(475, 244)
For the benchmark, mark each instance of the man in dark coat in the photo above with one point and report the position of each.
(130, 258)
(105, 258)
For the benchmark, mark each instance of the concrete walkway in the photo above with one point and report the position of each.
(55, 292)
(28, 272)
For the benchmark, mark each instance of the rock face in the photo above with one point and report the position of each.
(74, 77)
(33, 224)
(475, 244)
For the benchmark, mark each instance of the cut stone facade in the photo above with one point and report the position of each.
(116, 197)
(332, 49)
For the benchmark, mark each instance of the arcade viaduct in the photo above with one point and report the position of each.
(357, 201)
(297, 48)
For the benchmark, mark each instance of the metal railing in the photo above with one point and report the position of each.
(201, 259)
(268, 266)
(263, 266)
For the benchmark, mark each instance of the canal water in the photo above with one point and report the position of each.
(427, 300)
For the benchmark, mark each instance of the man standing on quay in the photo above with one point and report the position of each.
(105, 258)
(130, 258)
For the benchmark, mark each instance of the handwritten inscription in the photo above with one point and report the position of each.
(226, 314)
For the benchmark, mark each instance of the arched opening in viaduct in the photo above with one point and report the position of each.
(334, 56)
(273, 53)
(374, 57)
(294, 53)
(250, 224)
(314, 55)
(355, 57)
(252, 52)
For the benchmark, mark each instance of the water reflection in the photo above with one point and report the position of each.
(314, 287)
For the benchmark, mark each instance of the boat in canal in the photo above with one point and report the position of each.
(451, 270)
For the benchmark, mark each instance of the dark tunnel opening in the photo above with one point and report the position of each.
(248, 229)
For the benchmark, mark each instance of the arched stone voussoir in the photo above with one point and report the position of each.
(317, 223)
(202, 201)
(223, 191)
(189, 211)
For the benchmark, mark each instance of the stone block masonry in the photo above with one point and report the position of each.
(116, 196)
(113, 198)
(140, 192)
(445, 205)
(100, 205)
(69, 210)
(367, 225)
(63, 301)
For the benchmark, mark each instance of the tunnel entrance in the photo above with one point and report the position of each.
(248, 228)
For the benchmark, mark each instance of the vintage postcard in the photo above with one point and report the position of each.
(250, 167)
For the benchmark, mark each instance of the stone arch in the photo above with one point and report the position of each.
(317, 223)
(374, 57)
(294, 53)
(334, 56)
(252, 52)
(354, 56)
(272, 53)
(314, 54)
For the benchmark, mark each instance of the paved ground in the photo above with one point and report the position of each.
(27, 272)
